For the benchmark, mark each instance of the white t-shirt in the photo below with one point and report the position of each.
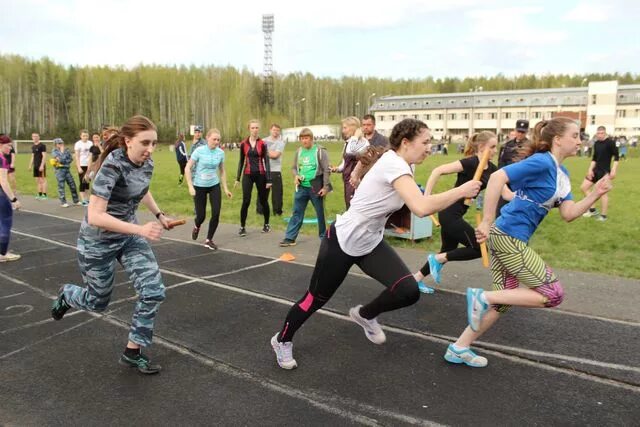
(84, 154)
(361, 228)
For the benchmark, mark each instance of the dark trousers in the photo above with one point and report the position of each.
(456, 232)
(247, 188)
(215, 200)
(332, 266)
(276, 195)
(6, 221)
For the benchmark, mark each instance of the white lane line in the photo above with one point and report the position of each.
(555, 311)
(12, 295)
(432, 338)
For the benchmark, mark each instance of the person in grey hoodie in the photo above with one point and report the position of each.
(312, 182)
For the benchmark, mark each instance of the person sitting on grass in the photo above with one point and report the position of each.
(312, 182)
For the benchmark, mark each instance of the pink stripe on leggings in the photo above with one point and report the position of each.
(398, 281)
(306, 304)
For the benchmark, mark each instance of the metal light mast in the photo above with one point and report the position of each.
(267, 73)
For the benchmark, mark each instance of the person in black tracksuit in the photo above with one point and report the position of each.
(455, 230)
(604, 149)
(254, 168)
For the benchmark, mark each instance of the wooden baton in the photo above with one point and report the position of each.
(483, 245)
(176, 222)
(484, 161)
(435, 221)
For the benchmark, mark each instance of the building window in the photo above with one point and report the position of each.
(403, 116)
(438, 116)
(479, 116)
(547, 115)
(427, 116)
(493, 116)
(465, 101)
(465, 116)
(381, 118)
(392, 118)
(415, 116)
(506, 115)
(522, 115)
(506, 100)
(594, 98)
(393, 104)
(426, 102)
(593, 119)
(453, 101)
(637, 113)
(452, 116)
(438, 102)
(621, 114)
(537, 114)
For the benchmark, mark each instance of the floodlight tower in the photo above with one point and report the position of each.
(267, 73)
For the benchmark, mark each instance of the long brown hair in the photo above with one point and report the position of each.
(473, 144)
(130, 129)
(543, 134)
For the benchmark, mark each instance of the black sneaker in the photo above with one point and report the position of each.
(242, 232)
(210, 245)
(59, 307)
(287, 242)
(141, 362)
(195, 232)
(266, 228)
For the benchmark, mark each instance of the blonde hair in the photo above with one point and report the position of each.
(212, 131)
(354, 123)
(253, 121)
(473, 145)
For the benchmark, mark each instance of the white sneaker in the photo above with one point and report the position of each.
(590, 213)
(65, 205)
(372, 329)
(284, 353)
(9, 256)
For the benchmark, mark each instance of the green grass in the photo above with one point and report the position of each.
(585, 244)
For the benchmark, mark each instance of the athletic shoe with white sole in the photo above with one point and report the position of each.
(284, 353)
(476, 309)
(372, 329)
(590, 213)
(466, 356)
(9, 256)
(64, 205)
(210, 245)
(425, 289)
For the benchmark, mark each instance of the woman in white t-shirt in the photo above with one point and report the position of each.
(82, 150)
(357, 238)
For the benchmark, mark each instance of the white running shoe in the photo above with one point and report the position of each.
(64, 205)
(9, 256)
(372, 329)
(284, 353)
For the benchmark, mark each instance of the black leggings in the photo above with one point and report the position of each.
(457, 232)
(263, 195)
(200, 200)
(332, 266)
(181, 165)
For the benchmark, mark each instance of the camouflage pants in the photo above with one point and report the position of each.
(97, 259)
(64, 176)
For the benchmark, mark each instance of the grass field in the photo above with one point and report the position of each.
(611, 247)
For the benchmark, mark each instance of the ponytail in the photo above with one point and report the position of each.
(543, 134)
(473, 144)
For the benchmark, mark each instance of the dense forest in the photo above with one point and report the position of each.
(56, 100)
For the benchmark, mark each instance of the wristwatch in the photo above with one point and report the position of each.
(159, 213)
(15, 199)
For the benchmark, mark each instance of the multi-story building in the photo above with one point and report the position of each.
(617, 107)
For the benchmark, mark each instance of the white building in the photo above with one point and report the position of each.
(617, 107)
(320, 133)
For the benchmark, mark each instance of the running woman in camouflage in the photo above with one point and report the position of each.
(540, 183)
(110, 232)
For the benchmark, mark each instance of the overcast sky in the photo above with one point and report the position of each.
(406, 39)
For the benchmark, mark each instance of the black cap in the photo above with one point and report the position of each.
(522, 125)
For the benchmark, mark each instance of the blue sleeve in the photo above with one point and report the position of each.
(106, 179)
(527, 170)
(195, 156)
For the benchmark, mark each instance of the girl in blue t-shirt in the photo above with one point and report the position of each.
(204, 172)
(539, 183)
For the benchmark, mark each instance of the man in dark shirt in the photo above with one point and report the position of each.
(369, 130)
(38, 163)
(604, 149)
(510, 149)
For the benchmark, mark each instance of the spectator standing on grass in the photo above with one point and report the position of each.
(181, 156)
(39, 165)
(82, 150)
(312, 183)
(8, 202)
(11, 172)
(275, 145)
(604, 150)
(63, 159)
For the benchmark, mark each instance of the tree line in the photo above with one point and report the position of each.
(57, 100)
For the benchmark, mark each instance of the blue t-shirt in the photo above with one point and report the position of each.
(540, 184)
(205, 173)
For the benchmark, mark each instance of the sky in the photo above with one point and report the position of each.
(330, 38)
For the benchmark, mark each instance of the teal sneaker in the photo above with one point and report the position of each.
(59, 307)
(434, 267)
(476, 309)
(425, 289)
(141, 362)
(466, 356)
